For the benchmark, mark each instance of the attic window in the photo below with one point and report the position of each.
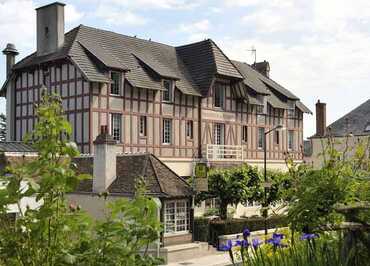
(168, 86)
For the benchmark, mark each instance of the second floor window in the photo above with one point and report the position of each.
(219, 134)
(168, 90)
(290, 140)
(116, 121)
(115, 86)
(244, 133)
(142, 129)
(167, 131)
(219, 96)
(261, 137)
(189, 129)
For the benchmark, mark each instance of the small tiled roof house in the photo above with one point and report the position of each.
(117, 173)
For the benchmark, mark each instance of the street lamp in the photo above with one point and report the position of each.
(265, 172)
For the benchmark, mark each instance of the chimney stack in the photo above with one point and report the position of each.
(105, 153)
(320, 119)
(50, 28)
(11, 52)
(262, 67)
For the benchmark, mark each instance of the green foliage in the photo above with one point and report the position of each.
(315, 193)
(2, 127)
(236, 226)
(233, 186)
(57, 234)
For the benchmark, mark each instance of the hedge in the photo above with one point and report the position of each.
(209, 230)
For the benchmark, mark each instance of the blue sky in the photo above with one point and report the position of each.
(318, 49)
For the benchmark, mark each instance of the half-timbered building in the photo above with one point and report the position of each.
(182, 104)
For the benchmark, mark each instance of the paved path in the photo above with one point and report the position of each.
(221, 259)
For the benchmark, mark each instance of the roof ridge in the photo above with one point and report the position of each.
(156, 174)
(124, 35)
(193, 43)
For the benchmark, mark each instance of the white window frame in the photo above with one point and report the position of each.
(169, 90)
(114, 126)
(143, 126)
(260, 136)
(219, 134)
(178, 218)
(221, 90)
(167, 131)
(113, 84)
(190, 129)
(290, 140)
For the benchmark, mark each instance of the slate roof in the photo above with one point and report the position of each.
(146, 63)
(15, 146)
(355, 122)
(160, 180)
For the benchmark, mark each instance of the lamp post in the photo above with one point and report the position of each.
(265, 173)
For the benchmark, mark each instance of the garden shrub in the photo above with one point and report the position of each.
(235, 226)
(201, 229)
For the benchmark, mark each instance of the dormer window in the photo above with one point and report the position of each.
(219, 96)
(168, 86)
(367, 127)
(115, 86)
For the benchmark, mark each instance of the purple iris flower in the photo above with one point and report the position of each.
(309, 236)
(227, 247)
(256, 242)
(246, 233)
(276, 240)
(277, 235)
(242, 243)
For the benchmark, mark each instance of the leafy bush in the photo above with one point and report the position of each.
(201, 229)
(236, 226)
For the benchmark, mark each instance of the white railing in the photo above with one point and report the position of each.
(224, 152)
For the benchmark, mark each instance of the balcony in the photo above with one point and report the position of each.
(224, 152)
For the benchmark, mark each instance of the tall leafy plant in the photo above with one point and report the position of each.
(56, 233)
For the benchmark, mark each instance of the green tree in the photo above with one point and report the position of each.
(2, 127)
(233, 186)
(57, 234)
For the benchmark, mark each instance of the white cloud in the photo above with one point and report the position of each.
(196, 31)
(119, 16)
(72, 15)
(151, 4)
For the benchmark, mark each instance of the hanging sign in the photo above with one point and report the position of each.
(201, 178)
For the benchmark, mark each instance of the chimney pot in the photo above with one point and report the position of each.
(11, 52)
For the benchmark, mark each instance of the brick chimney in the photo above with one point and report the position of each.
(262, 67)
(50, 28)
(320, 119)
(105, 152)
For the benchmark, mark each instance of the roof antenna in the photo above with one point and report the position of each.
(254, 52)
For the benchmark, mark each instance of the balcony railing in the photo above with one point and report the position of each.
(224, 152)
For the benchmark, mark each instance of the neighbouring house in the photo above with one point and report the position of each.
(184, 104)
(347, 131)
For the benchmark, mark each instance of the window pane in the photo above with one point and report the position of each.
(167, 131)
(115, 76)
(245, 133)
(116, 126)
(261, 133)
(291, 140)
(219, 130)
(189, 129)
(219, 96)
(142, 130)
